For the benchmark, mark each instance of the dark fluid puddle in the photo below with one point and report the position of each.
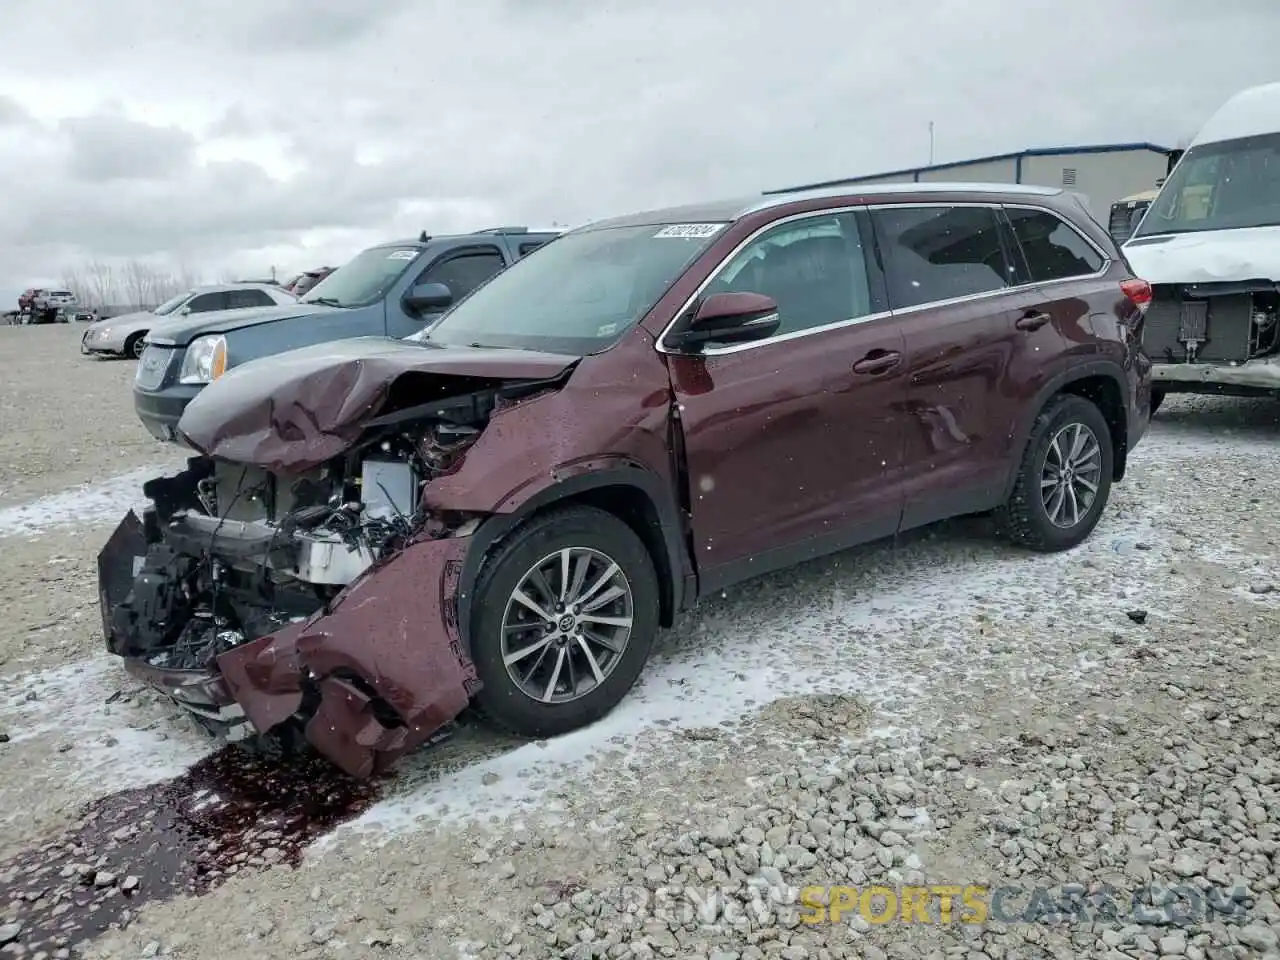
(229, 813)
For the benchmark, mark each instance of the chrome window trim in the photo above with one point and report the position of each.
(1107, 263)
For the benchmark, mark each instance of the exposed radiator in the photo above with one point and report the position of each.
(1222, 325)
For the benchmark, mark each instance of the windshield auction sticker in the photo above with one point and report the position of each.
(402, 254)
(687, 231)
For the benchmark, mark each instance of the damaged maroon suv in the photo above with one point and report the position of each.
(503, 510)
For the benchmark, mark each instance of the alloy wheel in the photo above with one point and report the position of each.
(1070, 475)
(566, 625)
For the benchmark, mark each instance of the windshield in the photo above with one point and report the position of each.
(364, 280)
(1230, 185)
(578, 294)
(171, 305)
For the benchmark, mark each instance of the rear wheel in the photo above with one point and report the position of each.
(1064, 480)
(134, 346)
(566, 614)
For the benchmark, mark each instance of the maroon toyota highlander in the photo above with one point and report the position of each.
(502, 510)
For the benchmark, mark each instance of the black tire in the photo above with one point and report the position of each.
(134, 346)
(501, 701)
(1024, 519)
(1157, 398)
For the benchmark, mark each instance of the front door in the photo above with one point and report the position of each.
(794, 444)
(461, 269)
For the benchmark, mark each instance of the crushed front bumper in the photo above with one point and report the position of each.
(370, 677)
(1249, 376)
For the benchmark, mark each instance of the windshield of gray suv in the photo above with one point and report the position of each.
(364, 280)
(1231, 185)
(169, 306)
(577, 295)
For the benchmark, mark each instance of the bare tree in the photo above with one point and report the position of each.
(134, 283)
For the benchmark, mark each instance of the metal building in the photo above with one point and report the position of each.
(1104, 173)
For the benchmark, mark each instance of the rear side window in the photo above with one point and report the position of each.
(529, 246)
(241, 299)
(934, 253)
(208, 301)
(1054, 249)
(464, 272)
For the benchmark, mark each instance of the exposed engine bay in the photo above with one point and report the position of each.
(1213, 322)
(235, 552)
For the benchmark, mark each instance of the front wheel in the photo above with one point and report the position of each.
(1064, 479)
(566, 614)
(135, 345)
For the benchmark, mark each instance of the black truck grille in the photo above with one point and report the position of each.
(1222, 325)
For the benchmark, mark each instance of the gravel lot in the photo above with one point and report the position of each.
(1096, 732)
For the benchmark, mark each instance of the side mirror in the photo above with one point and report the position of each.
(428, 296)
(727, 318)
(184, 311)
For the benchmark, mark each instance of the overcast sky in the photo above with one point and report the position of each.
(242, 134)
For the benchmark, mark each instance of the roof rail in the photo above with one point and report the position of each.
(504, 230)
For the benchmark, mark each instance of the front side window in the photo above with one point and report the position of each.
(580, 294)
(365, 279)
(1231, 185)
(813, 268)
(1054, 250)
(934, 253)
(462, 273)
(206, 302)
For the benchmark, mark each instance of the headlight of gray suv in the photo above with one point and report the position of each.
(206, 360)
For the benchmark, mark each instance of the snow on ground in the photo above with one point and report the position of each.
(104, 501)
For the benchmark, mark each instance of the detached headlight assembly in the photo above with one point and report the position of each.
(206, 360)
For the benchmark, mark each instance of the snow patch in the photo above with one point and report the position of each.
(103, 502)
(114, 745)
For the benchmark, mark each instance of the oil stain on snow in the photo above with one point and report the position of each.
(90, 503)
(229, 813)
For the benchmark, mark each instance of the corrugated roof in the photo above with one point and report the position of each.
(994, 158)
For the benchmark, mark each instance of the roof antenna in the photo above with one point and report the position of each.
(422, 237)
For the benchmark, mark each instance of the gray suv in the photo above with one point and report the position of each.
(392, 290)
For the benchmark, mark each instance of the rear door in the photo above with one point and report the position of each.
(793, 444)
(1069, 275)
(461, 269)
(953, 286)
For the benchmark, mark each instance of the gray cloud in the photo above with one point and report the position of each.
(539, 110)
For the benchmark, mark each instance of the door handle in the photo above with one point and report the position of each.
(878, 361)
(1032, 321)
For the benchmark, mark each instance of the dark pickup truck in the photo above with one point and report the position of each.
(394, 289)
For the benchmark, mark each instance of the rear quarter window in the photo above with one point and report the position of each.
(937, 253)
(1054, 250)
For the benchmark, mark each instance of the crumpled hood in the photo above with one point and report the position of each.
(181, 330)
(296, 410)
(1214, 256)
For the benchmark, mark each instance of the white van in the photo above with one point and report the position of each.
(1210, 247)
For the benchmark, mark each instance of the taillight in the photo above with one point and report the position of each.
(1138, 292)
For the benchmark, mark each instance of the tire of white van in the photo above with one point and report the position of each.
(1064, 479)
(566, 611)
(1157, 398)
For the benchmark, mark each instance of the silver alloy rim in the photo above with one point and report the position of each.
(566, 625)
(139, 346)
(1071, 475)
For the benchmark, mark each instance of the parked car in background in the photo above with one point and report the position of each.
(393, 289)
(1210, 245)
(505, 507)
(305, 281)
(27, 297)
(49, 306)
(1127, 212)
(125, 335)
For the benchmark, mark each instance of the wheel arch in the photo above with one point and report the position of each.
(635, 495)
(129, 341)
(1102, 383)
